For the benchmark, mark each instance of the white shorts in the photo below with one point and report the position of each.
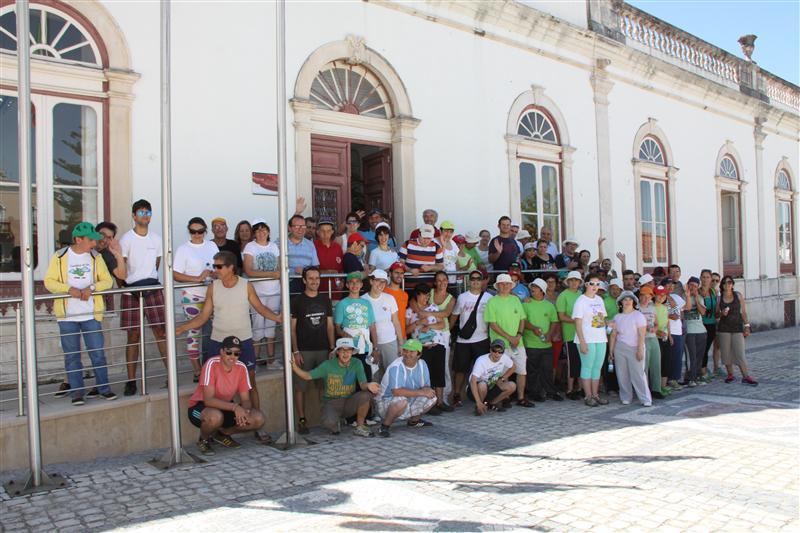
(415, 406)
(519, 357)
(263, 327)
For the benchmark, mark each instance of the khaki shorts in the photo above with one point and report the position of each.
(311, 359)
(520, 359)
(334, 410)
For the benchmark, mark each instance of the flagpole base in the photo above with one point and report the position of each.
(49, 482)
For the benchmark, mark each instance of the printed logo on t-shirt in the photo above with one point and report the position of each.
(79, 271)
(598, 320)
(265, 262)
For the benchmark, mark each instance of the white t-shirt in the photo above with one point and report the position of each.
(593, 313)
(487, 371)
(676, 326)
(383, 307)
(463, 308)
(80, 274)
(191, 259)
(382, 259)
(449, 253)
(265, 259)
(141, 253)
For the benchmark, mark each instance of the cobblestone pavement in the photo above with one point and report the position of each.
(717, 457)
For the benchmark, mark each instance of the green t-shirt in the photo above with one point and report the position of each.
(564, 304)
(476, 257)
(340, 382)
(506, 312)
(662, 315)
(542, 314)
(611, 307)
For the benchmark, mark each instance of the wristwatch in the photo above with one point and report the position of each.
(92, 287)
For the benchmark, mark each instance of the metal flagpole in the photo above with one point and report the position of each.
(37, 479)
(289, 439)
(176, 454)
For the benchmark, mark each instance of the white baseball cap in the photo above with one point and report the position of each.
(258, 221)
(345, 342)
(529, 245)
(472, 238)
(539, 282)
(426, 231)
(380, 274)
(647, 278)
(514, 224)
(574, 274)
(615, 283)
(503, 278)
(523, 234)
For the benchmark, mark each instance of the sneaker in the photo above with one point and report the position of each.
(225, 440)
(600, 401)
(62, 391)
(78, 400)
(302, 428)
(383, 431)
(92, 393)
(674, 385)
(721, 372)
(730, 379)
(108, 396)
(647, 405)
(419, 423)
(374, 421)
(446, 408)
(692, 384)
(590, 402)
(130, 388)
(205, 447)
(747, 380)
(362, 431)
(625, 402)
(666, 391)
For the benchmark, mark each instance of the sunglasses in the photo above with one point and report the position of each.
(144, 213)
(593, 283)
(497, 350)
(197, 231)
(217, 266)
(235, 353)
(352, 221)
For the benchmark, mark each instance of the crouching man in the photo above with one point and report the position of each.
(340, 397)
(488, 383)
(211, 407)
(406, 392)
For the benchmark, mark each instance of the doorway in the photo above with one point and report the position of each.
(350, 175)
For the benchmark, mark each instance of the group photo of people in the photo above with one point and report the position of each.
(389, 330)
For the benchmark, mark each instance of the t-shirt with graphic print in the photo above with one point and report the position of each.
(80, 274)
(312, 315)
(487, 371)
(593, 313)
(265, 259)
(339, 381)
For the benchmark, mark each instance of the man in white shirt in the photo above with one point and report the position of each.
(141, 249)
(387, 326)
(469, 347)
(488, 383)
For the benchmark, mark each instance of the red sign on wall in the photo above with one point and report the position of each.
(265, 183)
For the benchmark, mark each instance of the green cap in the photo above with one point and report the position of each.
(86, 229)
(413, 345)
(354, 275)
(447, 225)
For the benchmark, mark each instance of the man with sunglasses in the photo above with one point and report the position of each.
(473, 337)
(141, 249)
(489, 384)
(230, 298)
(211, 407)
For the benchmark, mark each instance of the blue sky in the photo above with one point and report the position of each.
(722, 22)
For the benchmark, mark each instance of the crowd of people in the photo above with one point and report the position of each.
(389, 338)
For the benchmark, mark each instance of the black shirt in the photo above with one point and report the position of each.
(312, 321)
(351, 263)
(509, 254)
(111, 263)
(232, 247)
(563, 261)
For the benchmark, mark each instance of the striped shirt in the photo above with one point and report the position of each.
(415, 255)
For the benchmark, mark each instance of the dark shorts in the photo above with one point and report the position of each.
(153, 309)
(434, 357)
(573, 358)
(491, 394)
(248, 355)
(466, 353)
(228, 418)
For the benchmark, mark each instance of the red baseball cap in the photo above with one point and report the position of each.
(459, 239)
(661, 290)
(397, 265)
(355, 237)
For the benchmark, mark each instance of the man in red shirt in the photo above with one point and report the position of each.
(211, 407)
(330, 254)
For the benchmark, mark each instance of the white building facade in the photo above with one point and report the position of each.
(594, 118)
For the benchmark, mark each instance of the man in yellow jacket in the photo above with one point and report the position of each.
(79, 271)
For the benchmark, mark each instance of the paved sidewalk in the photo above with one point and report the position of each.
(716, 457)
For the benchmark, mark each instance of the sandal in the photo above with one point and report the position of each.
(263, 438)
(524, 402)
(495, 407)
(457, 400)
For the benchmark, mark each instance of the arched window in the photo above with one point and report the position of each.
(535, 125)
(53, 35)
(68, 134)
(727, 168)
(352, 89)
(650, 150)
(729, 189)
(784, 197)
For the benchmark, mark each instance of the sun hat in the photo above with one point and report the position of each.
(86, 229)
(472, 237)
(616, 282)
(627, 294)
(574, 274)
(539, 282)
(647, 278)
(503, 278)
(523, 234)
(573, 240)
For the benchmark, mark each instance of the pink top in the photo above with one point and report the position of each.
(628, 325)
(226, 384)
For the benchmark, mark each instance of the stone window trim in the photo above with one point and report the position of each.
(725, 184)
(784, 176)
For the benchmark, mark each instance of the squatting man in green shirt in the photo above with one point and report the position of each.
(340, 397)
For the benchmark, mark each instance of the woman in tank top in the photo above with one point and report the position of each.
(732, 329)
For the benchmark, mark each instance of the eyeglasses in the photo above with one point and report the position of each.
(197, 231)
(144, 213)
(298, 225)
(217, 266)
(235, 353)
(352, 221)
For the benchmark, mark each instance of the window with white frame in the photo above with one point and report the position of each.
(654, 234)
(784, 220)
(727, 168)
(729, 183)
(540, 197)
(650, 150)
(535, 125)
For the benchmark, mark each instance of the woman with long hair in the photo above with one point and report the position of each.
(732, 329)
(423, 324)
(709, 295)
(243, 234)
(261, 263)
(483, 246)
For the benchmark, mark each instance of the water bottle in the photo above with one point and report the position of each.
(543, 337)
(208, 279)
(611, 367)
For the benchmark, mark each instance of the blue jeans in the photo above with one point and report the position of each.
(71, 344)
(676, 368)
